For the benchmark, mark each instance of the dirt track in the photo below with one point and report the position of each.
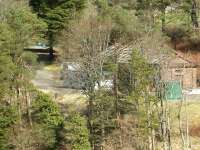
(48, 81)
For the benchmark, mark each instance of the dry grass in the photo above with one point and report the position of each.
(193, 109)
(53, 67)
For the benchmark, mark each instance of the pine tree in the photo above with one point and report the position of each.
(74, 133)
(56, 14)
(19, 27)
(191, 7)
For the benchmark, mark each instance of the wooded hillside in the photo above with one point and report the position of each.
(133, 62)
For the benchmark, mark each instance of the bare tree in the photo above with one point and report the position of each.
(87, 41)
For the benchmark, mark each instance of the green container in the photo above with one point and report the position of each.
(173, 90)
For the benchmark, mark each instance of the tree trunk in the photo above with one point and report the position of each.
(51, 43)
(163, 124)
(90, 115)
(163, 19)
(19, 106)
(187, 137)
(194, 15)
(115, 92)
(102, 134)
(115, 85)
(51, 54)
(28, 105)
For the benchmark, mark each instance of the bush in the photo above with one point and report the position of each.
(176, 32)
(75, 132)
(46, 111)
(7, 118)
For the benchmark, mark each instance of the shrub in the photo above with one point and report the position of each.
(46, 111)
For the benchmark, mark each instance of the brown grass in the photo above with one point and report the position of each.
(194, 130)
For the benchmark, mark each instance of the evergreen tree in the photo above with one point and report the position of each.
(147, 9)
(47, 116)
(191, 7)
(19, 27)
(46, 111)
(56, 14)
(8, 116)
(74, 133)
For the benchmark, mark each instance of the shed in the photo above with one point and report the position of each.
(180, 69)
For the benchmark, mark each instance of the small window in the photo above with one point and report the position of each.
(179, 70)
(198, 82)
